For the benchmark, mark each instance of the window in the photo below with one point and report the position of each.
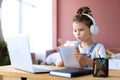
(31, 17)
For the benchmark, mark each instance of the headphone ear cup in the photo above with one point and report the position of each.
(94, 29)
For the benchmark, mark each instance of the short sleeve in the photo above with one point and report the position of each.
(101, 51)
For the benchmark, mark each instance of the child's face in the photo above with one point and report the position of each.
(81, 31)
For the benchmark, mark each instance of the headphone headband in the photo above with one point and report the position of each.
(93, 20)
(93, 28)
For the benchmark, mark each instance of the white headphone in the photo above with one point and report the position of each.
(93, 28)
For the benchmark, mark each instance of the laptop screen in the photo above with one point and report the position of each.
(19, 52)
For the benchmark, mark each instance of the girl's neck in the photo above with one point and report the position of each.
(87, 44)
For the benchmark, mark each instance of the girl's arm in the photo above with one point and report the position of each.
(82, 59)
(88, 61)
(59, 63)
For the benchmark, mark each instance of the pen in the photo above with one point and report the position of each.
(107, 57)
(99, 56)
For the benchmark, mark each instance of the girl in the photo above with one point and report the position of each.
(84, 27)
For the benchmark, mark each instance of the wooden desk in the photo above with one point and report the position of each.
(9, 73)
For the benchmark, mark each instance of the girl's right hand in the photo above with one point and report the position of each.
(78, 57)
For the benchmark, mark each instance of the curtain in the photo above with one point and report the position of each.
(4, 56)
(1, 34)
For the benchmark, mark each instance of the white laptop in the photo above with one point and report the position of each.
(66, 55)
(20, 56)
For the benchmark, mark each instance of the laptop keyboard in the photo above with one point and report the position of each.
(43, 68)
(40, 70)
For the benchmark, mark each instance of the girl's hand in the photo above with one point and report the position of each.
(79, 57)
(82, 59)
(59, 63)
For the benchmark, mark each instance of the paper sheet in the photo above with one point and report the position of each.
(114, 63)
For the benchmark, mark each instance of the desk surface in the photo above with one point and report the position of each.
(9, 71)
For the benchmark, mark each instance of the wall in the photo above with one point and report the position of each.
(106, 13)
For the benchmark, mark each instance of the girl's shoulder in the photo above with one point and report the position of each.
(100, 45)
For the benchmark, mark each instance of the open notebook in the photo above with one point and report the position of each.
(20, 56)
(66, 55)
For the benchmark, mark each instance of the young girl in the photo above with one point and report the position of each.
(84, 27)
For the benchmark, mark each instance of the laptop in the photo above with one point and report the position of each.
(66, 54)
(20, 56)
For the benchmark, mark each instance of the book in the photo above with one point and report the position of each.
(66, 54)
(71, 72)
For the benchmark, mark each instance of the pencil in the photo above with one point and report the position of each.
(95, 69)
(97, 53)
